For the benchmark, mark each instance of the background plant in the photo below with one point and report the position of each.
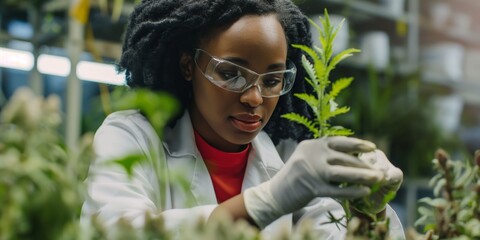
(454, 212)
(40, 179)
(394, 111)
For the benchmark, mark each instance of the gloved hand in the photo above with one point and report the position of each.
(315, 169)
(393, 176)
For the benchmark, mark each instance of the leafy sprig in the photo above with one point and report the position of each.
(318, 64)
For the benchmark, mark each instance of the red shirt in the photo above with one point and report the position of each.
(226, 169)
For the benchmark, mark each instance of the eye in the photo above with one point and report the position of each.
(228, 74)
(226, 71)
(272, 81)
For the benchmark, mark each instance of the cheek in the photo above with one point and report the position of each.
(210, 97)
(270, 105)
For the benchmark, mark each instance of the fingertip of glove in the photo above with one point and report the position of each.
(364, 191)
(356, 191)
(366, 146)
(350, 144)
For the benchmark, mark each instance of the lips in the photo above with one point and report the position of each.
(247, 123)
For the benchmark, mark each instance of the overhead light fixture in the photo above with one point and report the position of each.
(53, 65)
(60, 66)
(16, 59)
(99, 72)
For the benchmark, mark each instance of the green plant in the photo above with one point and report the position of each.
(41, 188)
(323, 105)
(325, 108)
(41, 180)
(454, 212)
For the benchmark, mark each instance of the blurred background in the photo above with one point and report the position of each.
(416, 87)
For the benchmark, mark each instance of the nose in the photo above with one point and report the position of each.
(252, 96)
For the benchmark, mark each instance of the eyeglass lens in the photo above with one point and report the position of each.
(236, 78)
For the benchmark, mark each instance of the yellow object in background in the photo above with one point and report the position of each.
(401, 28)
(80, 11)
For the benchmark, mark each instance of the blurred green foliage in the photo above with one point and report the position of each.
(454, 212)
(42, 182)
(40, 179)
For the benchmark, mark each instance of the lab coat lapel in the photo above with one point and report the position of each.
(263, 162)
(201, 185)
(186, 159)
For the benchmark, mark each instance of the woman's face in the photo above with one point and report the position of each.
(229, 120)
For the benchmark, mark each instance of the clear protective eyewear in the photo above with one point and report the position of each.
(235, 78)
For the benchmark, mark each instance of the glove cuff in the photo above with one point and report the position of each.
(261, 206)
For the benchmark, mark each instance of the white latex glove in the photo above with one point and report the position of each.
(315, 169)
(393, 176)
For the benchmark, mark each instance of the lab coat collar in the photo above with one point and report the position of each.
(180, 140)
(179, 143)
(263, 162)
(183, 155)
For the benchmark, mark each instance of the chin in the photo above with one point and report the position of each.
(243, 138)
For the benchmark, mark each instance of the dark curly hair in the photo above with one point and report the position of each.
(160, 30)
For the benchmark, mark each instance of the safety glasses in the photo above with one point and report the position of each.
(235, 78)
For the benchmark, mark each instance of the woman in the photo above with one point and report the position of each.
(231, 65)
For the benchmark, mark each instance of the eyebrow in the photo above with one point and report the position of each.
(244, 63)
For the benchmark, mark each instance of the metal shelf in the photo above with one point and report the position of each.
(467, 88)
(471, 38)
(372, 9)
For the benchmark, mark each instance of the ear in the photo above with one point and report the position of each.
(186, 66)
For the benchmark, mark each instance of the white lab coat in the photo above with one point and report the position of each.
(112, 194)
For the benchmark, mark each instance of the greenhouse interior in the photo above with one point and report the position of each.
(410, 71)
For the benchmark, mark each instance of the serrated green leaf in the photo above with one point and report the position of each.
(326, 38)
(310, 52)
(310, 82)
(341, 56)
(295, 117)
(325, 112)
(312, 75)
(333, 105)
(338, 111)
(311, 101)
(336, 29)
(339, 131)
(319, 52)
(337, 87)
